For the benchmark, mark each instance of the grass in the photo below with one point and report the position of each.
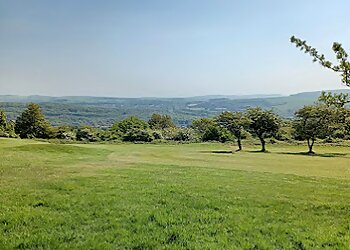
(193, 196)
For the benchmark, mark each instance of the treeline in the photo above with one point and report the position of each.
(327, 119)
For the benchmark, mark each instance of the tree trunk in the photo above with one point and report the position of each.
(239, 142)
(310, 145)
(263, 149)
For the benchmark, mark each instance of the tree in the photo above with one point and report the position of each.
(32, 123)
(158, 121)
(132, 129)
(312, 122)
(209, 130)
(263, 124)
(334, 100)
(347, 124)
(200, 125)
(211, 133)
(64, 133)
(235, 123)
(6, 127)
(129, 123)
(87, 133)
(337, 112)
(184, 134)
(3, 121)
(343, 66)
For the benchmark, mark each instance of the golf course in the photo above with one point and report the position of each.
(173, 196)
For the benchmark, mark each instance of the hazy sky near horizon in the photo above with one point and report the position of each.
(166, 48)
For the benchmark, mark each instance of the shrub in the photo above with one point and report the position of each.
(86, 134)
(138, 135)
(180, 134)
(64, 133)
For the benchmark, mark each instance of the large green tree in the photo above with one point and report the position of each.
(209, 130)
(236, 123)
(158, 121)
(263, 124)
(32, 123)
(201, 125)
(132, 129)
(338, 113)
(129, 123)
(342, 66)
(312, 122)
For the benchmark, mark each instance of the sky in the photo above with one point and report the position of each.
(167, 48)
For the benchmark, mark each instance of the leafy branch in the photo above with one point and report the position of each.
(343, 66)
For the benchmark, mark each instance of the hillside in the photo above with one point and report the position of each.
(184, 196)
(104, 111)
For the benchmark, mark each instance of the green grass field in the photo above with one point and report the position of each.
(190, 196)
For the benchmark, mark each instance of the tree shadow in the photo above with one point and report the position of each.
(217, 152)
(326, 155)
(258, 151)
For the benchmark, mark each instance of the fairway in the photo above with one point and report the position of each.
(185, 196)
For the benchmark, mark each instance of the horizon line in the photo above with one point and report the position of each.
(175, 97)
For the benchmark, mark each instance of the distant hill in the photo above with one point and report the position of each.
(104, 111)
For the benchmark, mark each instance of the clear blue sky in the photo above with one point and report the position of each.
(166, 48)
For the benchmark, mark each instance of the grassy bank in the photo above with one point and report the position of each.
(193, 196)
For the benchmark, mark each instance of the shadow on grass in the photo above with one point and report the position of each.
(258, 151)
(217, 152)
(327, 155)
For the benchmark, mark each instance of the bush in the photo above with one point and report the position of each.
(158, 121)
(87, 134)
(64, 133)
(128, 124)
(215, 133)
(157, 135)
(180, 134)
(130, 129)
(137, 135)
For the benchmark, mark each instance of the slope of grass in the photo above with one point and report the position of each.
(195, 196)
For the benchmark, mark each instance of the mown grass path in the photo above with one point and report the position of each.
(195, 196)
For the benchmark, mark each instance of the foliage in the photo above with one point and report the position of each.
(285, 131)
(333, 99)
(312, 122)
(129, 123)
(263, 124)
(32, 123)
(347, 124)
(158, 121)
(137, 135)
(208, 130)
(260, 123)
(200, 125)
(338, 112)
(343, 66)
(211, 133)
(236, 123)
(104, 112)
(216, 133)
(3, 120)
(132, 129)
(6, 127)
(157, 135)
(64, 133)
(180, 134)
(89, 134)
